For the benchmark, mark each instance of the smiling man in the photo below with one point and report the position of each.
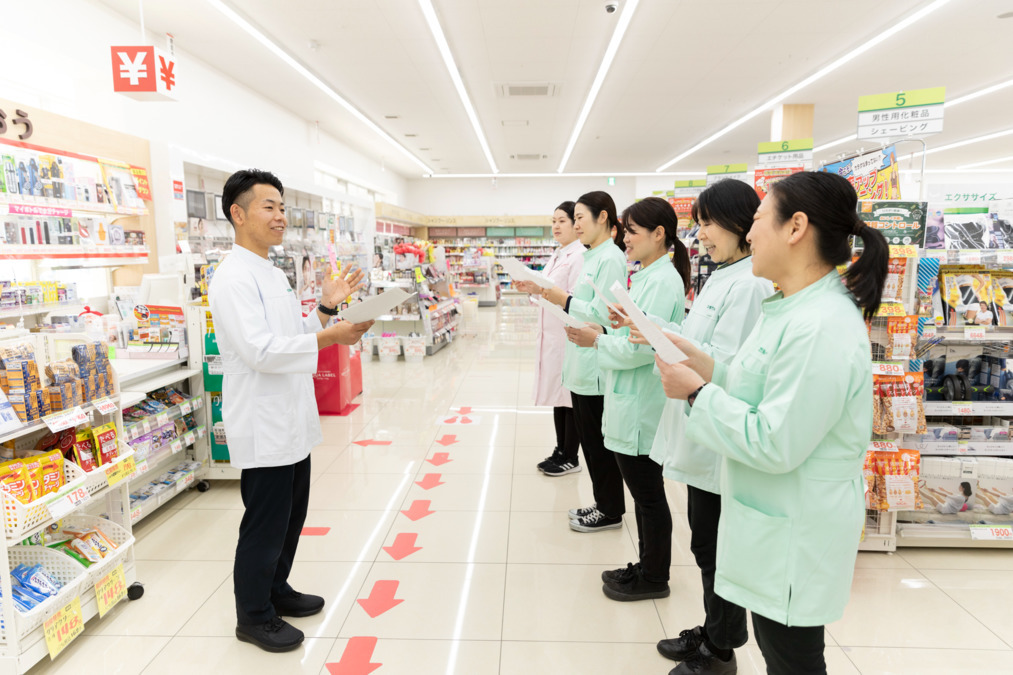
(269, 354)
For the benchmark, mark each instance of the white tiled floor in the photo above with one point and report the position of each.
(500, 584)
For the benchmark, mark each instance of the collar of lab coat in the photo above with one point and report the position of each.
(248, 256)
(778, 304)
(573, 247)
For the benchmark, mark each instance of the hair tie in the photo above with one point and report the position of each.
(859, 226)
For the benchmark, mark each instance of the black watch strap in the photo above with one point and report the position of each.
(692, 397)
(329, 311)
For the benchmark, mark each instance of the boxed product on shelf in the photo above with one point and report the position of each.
(995, 486)
(967, 295)
(948, 487)
(32, 585)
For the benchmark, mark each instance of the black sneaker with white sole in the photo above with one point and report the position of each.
(621, 574)
(595, 521)
(702, 662)
(561, 468)
(554, 458)
(582, 511)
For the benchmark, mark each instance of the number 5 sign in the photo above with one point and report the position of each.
(144, 72)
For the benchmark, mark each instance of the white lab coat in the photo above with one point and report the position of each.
(269, 354)
(564, 270)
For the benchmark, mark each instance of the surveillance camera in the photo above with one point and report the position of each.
(611, 7)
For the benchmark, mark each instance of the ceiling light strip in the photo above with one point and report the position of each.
(821, 73)
(599, 78)
(960, 144)
(455, 75)
(315, 80)
(988, 163)
(653, 174)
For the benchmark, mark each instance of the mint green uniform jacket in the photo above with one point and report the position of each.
(634, 397)
(604, 265)
(792, 415)
(721, 318)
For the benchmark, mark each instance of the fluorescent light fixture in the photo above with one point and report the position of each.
(653, 174)
(448, 60)
(831, 144)
(1001, 160)
(819, 74)
(960, 144)
(315, 80)
(599, 78)
(1003, 171)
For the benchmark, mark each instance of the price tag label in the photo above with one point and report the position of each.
(970, 257)
(120, 470)
(61, 628)
(188, 479)
(936, 253)
(1004, 257)
(135, 515)
(963, 447)
(963, 408)
(992, 532)
(418, 275)
(184, 407)
(105, 405)
(176, 446)
(65, 419)
(903, 251)
(975, 334)
(198, 403)
(146, 425)
(189, 438)
(162, 419)
(891, 309)
(64, 504)
(883, 446)
(215, 364)
(887, 369)
(110, 589)
(929, 331)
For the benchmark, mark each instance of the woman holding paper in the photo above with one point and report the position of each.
(563, 269)
(634, 398)
(722, 315)
(604, 264)
(792, 417)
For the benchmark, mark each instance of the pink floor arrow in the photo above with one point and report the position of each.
(418, 510)
(404, 545)
(439, 458)
(315, 531)
(370, 441)
(463, 411)
(355, 660)
(429, 481)
(380, 599)
(448, 439)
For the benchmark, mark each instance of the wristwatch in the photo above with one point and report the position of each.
(329, 311)
(692, 397)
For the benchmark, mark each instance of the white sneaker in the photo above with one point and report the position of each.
(582, 511)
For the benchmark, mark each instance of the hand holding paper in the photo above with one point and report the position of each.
(375, 306)
(521, 272)
(665, 348)
(611, 305)
(558, 312)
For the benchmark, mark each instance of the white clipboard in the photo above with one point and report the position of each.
(374, 306)
(668, 352)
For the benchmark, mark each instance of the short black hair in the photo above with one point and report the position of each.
(729, 204)
(242, 182)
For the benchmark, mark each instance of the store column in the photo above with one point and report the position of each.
(790, 121)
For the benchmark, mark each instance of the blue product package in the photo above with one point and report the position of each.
(38, 579)
(30, 594)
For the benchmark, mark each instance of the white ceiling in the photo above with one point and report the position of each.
(685, 69)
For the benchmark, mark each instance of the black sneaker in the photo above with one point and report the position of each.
(275, 635)
(682, 647)
(554, 458)
(595, 522)
(621, 574)
(636, 587)
(582, 511)
(702, 662)
(298, 604)
(560, 468)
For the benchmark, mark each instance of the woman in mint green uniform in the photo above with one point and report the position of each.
(604, 263)
(792, 417)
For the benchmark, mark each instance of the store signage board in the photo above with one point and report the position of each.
(986, 532)
(61, 628)
(719, 172)
(65, 419)
(110, 589)
(785, 154)
(144, 72)
(901, 114)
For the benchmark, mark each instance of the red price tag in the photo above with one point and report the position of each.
(887, 369)
(929, 331)
(1004, 257)
(963, 408)
(163, 419)
(105, 405)
(975, 334)
(992, 532)
(184, 407)
(970, 257)
(65, 419)
(883, 446)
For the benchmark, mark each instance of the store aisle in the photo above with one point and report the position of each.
(441, 549)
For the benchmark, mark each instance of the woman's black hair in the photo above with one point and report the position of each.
(829, 201)
(599, 201)
(729, 204)
(567, 208)
(965, 487)
(652, 213)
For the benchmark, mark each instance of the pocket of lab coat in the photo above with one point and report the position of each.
(753, 551)
(274, 426)
(280, 309)
(622, 418)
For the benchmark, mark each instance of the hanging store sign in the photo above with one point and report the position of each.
(901, 114)
(719, 172)
(780, 154)
(144, 72)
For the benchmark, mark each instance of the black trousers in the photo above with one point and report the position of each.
(276, 499)
(795, 650)
(654, 519)
(566, 433)
(725, 623)
(601, 464)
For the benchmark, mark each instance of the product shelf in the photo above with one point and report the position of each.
(67, 571)
(23, 520)
(76, 207)
(41, 308)
(977, 408)
(132, 373)
(119, 536)
(39, 425)
(144, 508)
(150, 462)
(943, 536)
(175, 412)
(964, 448)
(67, 252)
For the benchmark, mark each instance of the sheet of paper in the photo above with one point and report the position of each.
(521, 272)
(668, 352)
(611, 304)
(559, 313)
(375, 306)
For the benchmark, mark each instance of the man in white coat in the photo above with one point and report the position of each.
(269, 354)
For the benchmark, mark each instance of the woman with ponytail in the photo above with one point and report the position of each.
(634, 397)
(792, 417)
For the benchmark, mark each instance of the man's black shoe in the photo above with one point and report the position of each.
(275, 635)
(622, 574)
(636, 587)
(702, 662)
(298, 604)
(680, 648)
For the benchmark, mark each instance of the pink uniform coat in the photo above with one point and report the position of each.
(564, 270)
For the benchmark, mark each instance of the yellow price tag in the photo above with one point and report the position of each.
(63, 627)
(121, 470)
(110, 589)
(418, 275)
(903, 251)
(891, 309)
